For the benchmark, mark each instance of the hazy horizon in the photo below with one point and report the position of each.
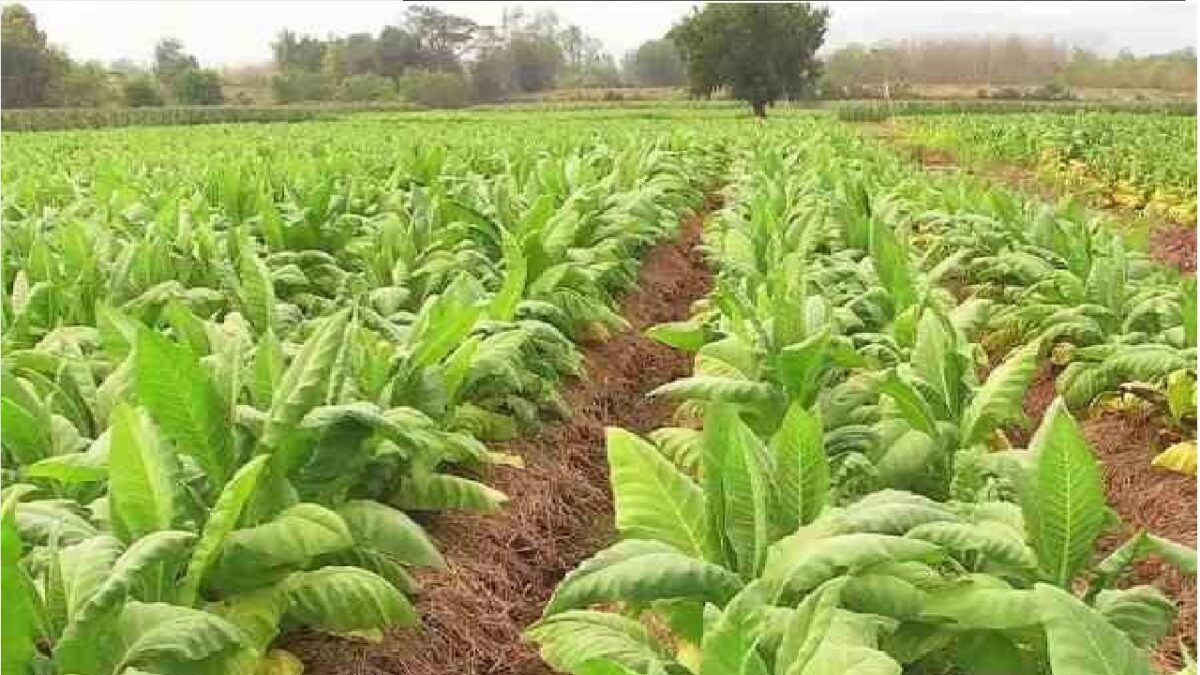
(85, 28)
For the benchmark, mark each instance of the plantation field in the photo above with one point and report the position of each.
(276, 395)
(1144, 163)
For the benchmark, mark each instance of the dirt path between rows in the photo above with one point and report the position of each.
(1172, 244)
(503, 566)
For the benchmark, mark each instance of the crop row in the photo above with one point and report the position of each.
(1141, 162)
(843, 493)
(231, 371)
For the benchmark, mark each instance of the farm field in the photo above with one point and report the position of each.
(1143, 163)
(597, 392)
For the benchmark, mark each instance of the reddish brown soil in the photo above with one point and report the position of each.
(503, 566)
(1147, 498)
(1175, 245)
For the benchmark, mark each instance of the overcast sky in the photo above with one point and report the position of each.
(230, 33)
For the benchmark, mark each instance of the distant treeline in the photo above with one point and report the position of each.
(434, 58)
(1004, 61)
(875, 111)
(429, 57)
(55, 119)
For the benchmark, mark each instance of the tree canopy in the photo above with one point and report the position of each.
(656, 63)
(761, 52)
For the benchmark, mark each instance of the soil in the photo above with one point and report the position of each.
(502, 567)
(1146, 498)
(1175, 245)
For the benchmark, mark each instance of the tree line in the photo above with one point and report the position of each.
(758, 53)
(429, 56)
(36, 74)
(1003, 60)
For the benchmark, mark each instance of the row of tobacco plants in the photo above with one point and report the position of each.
(236, 359)
(1142, 162)
(841, 494)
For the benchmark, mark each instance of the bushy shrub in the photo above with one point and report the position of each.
(367, 87)
(197, 87)
(142, 91)
(297, 85)
(435, 90)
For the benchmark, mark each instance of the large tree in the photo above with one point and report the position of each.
(29, 65)
(761, 52)
(655, 63)
(170, 61)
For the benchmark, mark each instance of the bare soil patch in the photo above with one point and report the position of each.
(1175, 245)
(502, 567)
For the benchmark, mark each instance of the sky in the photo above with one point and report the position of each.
(235, 33)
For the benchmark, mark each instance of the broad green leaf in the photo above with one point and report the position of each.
(445, 322)
(799, 562)
(569, 640)
(999, 401)
(17, 609)
(269, 368)
(388, 530)
(92, 622)
(807, 628)
(688, 336)
(143, 474)
(344, 599)
(156, 633)
(935, 360)
(982, 606)
(801, 469)
(303, 385)
(504, 303)
(652, 498)
(882, 594)
(915, 410)
(183, 402)
(888, 512)
(222, 520)
(890, 259)
(641, 576)
(799, 366)
(993, 542)
(1143, 613)
(458, 366)
(256, 291)
(730, 642)
(43, 520)
(25, 437)
(1065, 509)
(257, 555)
(440, 492)
(727, 389)
(1079, 640)
(746, 489)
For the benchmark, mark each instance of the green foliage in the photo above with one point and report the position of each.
(367, 87)
(435, 90)
(216, 421)
(142, 91)
(761, 52)
(655, 63)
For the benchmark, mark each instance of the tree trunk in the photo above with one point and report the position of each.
(760, 108)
